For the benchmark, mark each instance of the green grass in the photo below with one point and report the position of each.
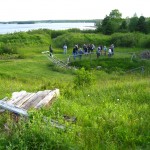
(112, 106)
(111, 114)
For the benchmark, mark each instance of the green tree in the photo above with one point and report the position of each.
(141, 24)
(123, 27)
(111, 23)
(148, 26)
(116, 20)
(107, 27)
(133, 23)
(115, 14)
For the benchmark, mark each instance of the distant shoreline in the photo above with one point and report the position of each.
(49, 21)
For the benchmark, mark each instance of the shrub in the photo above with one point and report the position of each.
(74, 30)
(83, 78)
(35, 37)
(80, 38)
(6, 49)
(144, 41)
(131, 40)
(124, 39)
(55, 34)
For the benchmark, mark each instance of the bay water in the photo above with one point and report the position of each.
(11, 28)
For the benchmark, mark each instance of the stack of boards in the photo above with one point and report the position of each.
(22, 101)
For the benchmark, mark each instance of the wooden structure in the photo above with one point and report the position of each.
(55, 60)
(22, 101)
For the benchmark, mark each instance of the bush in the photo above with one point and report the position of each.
(144, 41)
(124, 39)
(6, 49)
(83, 78)
(55, 33)
(131, 40)
(35, 37)
(80, 38)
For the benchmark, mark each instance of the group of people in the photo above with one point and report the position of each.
(86, 49)
(103, 50)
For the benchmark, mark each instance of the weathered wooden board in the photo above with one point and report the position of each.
(13, 108)
(16, 96)
(40, 98)
(47, 98)
(29, 103)
(21, 101)
(24, 99)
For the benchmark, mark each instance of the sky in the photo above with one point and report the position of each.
(25, 10)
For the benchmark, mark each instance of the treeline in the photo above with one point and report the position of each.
(115, 23)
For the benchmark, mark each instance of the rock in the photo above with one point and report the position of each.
(145, 54)
(98, 67)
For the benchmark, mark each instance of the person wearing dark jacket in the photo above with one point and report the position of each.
(50, 50)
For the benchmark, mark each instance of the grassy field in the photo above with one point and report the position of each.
(111, 105)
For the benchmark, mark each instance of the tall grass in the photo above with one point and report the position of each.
(111, 114)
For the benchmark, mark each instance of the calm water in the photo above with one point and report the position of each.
(10, 28)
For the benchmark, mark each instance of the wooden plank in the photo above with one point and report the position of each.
(40, 97)
(13, 108)
(24, 99)
(37, 97)
(4, 99)
(16, 96)
(48, 98)
(36, 100)
(26, 104)
(20, 98)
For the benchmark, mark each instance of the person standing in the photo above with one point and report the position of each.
(105, 49)
(50, 50)
(92, 47)
(112, 48)
(98, 52)
(65, 49)
(109, 52)
(74, 52)
(80, 53)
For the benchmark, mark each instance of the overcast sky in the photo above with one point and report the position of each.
(16, 10)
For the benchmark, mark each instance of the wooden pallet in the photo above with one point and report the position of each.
(22, 101)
